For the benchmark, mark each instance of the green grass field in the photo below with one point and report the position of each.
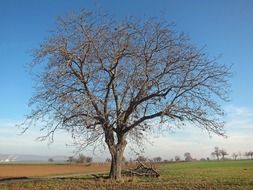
(209, 175)
(217, 175)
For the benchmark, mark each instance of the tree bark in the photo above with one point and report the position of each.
(117, 152)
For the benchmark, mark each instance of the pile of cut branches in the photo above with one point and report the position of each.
(142, 170)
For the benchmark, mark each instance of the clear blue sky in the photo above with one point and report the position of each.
(225, 27)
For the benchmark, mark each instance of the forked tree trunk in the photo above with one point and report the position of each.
(116, 164)
(117, 152)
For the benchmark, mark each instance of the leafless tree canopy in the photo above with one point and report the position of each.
(235, 155)
(223, 153)
(105, 80)
(216, 153)
(188, 156)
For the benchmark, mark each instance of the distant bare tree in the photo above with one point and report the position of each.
(216, 152)
(81, 158)
(177, 158)
(249, 154)
(84, 159)
(50, 160)
(104, 80)
(235, 155)
(141, 159)
(157, 159)
(89, 159)
(188, 156)
(223, 153)
(71, 159)
(108, 160)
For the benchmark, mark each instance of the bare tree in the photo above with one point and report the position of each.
(141, 158)
(157, 159)
(249, 154)
(71, 159)
(84, 159)
(188, 156)
(108, 160)
(223, 153)
(216, 153)
(246, 154)
(235, 155)
(81, 158)
(50, 160)
(177, 158)
(89, 159)
(105, 81)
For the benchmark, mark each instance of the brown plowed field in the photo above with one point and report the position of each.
(38, 170)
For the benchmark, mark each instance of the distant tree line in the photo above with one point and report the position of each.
(221, 153)
(80, 159)
(218, 154)
(249, 154)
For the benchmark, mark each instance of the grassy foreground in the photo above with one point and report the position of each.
(192, 175)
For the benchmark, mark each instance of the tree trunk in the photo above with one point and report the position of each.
(116, 164)
(117, 152)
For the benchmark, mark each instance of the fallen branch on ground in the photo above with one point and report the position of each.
(142, 170)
